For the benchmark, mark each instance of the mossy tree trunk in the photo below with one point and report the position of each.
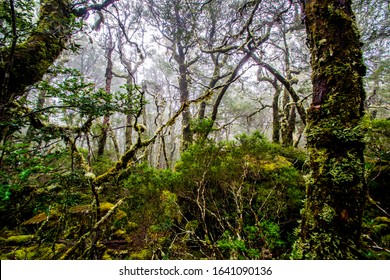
(336, 190)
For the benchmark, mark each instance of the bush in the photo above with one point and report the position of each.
(237, 199)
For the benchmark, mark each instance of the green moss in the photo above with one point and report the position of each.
(144, 254)
(384, 220)
(327, 213)
(19, 239)
(35, 252)
(106, 256)
(112, 254)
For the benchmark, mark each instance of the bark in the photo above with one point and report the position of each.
(231, 79)
(289, 109)
(336, 190)
(129, 132)
(115, 143)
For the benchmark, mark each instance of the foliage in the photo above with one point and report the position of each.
(376, 218)
(24, 20)
(236, 186)
(237, 199)
(71, 91)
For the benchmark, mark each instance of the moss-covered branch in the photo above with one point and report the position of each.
(32, 58)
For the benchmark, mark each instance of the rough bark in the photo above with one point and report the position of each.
(129, 132)
(336, 190)
(288, 126)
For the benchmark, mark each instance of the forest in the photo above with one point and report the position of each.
(195, 130)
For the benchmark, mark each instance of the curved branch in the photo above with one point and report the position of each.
(286, 83)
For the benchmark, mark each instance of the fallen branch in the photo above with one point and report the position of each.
(82, 239)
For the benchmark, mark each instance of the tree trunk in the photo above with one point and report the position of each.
(275, 113)
(184, 97)
(336, 190)
(289, 109)
(289, 120)
(129, 132)
(109, 75)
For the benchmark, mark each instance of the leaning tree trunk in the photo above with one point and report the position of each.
(336, 190)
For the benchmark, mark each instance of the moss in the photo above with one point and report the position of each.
(19, 239)
(80, 209)
(115, 254)
(35, 252)
(119, 234)
(106, 256)
(144, 254)
(104, 208)
(384, 220)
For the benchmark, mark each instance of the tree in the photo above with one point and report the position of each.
(25, 62)
(374, 23)
(109, 48)
(336, 190)
(176, 23)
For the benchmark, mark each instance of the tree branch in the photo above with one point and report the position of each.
(286, 83)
